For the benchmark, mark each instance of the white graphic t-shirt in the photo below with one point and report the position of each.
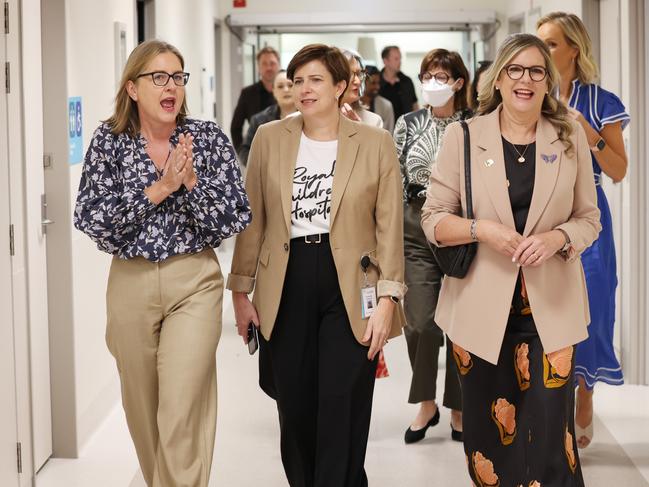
(312, 182)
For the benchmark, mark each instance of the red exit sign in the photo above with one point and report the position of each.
(238, 3)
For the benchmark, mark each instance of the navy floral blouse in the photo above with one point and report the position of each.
(113, 210)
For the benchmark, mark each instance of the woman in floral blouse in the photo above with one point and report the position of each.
(159, 191)
(445, 85)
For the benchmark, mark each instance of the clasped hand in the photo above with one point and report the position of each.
(529, 251)
(179, 168)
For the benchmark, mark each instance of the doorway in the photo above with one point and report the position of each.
(516, 24)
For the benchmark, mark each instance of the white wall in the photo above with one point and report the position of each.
(534, 9)
(191, 30)
(611, 66)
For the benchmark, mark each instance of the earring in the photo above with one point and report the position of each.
(497, 88)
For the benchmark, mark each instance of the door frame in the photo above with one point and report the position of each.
(30, 316)
(9, 474)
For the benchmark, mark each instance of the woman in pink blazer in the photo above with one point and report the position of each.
(517, 315)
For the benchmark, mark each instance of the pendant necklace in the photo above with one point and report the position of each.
(521, 158)
(160, 172)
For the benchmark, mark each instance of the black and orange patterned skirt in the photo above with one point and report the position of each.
(519, 415)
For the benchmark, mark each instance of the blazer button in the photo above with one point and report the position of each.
(286, 247)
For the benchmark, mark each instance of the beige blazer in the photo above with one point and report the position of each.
(366, 218)
(473, 311)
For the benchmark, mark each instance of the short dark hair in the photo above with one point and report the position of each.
(371, 70)
(482, 67)
(330, 56)
(386, 51)
(452, 62)
(268, 50)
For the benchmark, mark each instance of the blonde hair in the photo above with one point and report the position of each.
(125, 118)
(577, 37)
(552, 109)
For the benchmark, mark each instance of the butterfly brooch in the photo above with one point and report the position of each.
(549, 159)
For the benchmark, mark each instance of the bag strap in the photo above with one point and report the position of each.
(467, 170)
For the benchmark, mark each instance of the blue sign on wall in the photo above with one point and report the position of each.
(75, 125)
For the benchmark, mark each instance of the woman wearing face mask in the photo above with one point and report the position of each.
(445, 82)
(282, 108)
(352, 107)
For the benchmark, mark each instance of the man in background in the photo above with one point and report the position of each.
(256, 97)
(375, 102)
(396, 86)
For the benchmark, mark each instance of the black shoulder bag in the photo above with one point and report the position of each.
(456, 260)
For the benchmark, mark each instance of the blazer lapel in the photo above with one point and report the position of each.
(288, 149)
(491, 164)
(549, 150)
(345, 160)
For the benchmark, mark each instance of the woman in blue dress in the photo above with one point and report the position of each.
(603, 117)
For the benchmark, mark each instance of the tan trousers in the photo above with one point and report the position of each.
(164, 323)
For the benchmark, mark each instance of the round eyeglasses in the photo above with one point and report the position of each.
(361, 74)
(440, 77)
(161, 78)
(516, 72)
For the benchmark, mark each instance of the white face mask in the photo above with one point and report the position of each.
(437, 94)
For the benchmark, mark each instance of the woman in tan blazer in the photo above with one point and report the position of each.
(325, 194)
(517, 315)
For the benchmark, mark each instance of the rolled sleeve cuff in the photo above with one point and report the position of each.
(240, 284)
(391, 288)
(428, 224)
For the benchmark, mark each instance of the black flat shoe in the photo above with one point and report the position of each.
(418, 435)
(456, 435)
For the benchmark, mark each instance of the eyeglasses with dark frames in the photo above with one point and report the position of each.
(516, 72)
(161, 78)
(440, 77)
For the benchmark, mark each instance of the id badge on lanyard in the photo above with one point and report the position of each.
(368, 291)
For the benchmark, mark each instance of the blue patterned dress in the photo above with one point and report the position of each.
(595, 359)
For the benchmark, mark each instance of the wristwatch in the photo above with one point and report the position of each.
(394, 299)
(568, 243)
(599, 145)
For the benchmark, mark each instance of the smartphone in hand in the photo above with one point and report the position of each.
(253, 338)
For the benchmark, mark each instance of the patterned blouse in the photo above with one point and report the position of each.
(418, 137)
(113, 210)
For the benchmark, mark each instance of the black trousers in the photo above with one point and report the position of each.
(319, 375)
(519, 415)
(423, 336)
